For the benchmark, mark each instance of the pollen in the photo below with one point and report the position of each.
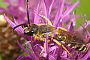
(36, 37)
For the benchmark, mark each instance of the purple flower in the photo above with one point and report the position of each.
(59, 12)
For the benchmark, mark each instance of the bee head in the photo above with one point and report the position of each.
(30, 30)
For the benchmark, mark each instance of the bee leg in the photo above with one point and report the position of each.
(48, 41)
(62, 28)
(36, 38)
(46, 19)
(62, 46)
(42, 50)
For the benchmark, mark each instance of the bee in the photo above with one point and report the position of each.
(71, 39)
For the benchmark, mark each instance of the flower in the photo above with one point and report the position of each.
(59, 12)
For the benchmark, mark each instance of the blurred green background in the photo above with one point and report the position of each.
(83, 8)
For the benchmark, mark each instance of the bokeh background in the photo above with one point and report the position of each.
(83, 8)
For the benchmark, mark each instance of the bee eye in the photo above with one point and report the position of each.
(31, 33)
(30, 30)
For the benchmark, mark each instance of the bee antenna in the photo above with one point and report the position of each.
(20, 25)
(27, 12)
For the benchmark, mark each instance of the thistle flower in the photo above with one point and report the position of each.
(59, 13)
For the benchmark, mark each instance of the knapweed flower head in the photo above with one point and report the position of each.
(57, 13)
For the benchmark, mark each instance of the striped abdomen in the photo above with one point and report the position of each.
(71, 40)
(81, 47)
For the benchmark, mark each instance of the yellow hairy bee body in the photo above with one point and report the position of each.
(71, 39)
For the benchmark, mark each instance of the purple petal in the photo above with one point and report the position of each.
(30, 53)
(9, 21)
(71, 27)
(52, 57)
(50, 8)
(19, 30)
(88, 35)
(52, 48)
(24, 57)
(74, 18)
(46, 45)
(29, 47)
(37, 18)
(68, 11)
(59, 13)
(86, 24)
